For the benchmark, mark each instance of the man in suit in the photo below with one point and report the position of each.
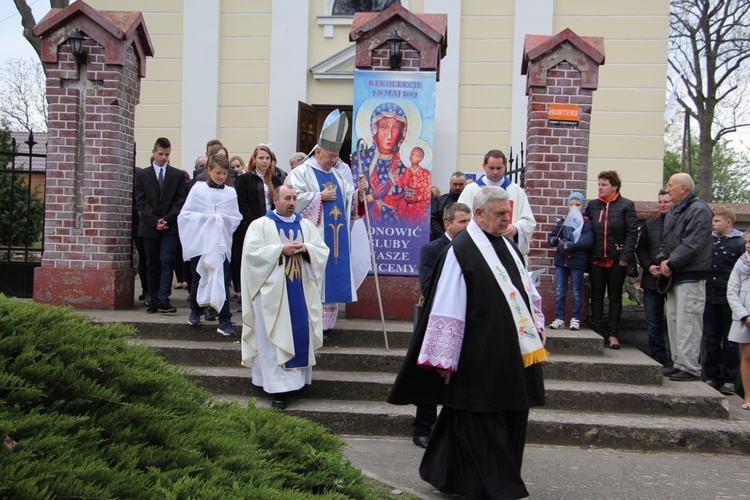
(458, 182)
(653, 301)
(456, 217)
(159, 192)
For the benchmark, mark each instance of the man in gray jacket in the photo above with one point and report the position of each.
(685, 259)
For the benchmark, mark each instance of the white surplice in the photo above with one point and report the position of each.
(206, 224)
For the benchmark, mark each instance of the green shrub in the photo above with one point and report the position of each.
(86, 415)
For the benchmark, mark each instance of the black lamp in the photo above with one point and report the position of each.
(76, 44)
(394, 49)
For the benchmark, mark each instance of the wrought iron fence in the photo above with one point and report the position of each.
(517, 167)
(22, 182)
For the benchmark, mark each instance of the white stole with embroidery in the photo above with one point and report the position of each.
(441, 347)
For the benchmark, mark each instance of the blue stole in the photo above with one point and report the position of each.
(338, 281)
(504, 185)
(294, 292)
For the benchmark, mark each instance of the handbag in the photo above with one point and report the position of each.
(633, 269)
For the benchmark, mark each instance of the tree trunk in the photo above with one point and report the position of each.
(705, 160)
(28, 22)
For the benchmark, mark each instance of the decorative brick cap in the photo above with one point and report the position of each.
(116, 31)
(433, 26)
(536, 46)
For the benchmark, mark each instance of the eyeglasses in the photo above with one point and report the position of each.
(330, 156)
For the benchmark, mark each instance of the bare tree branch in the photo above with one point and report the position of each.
(710, 55)
(23, 102)
(28, 22)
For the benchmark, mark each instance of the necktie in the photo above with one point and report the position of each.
(161, 178)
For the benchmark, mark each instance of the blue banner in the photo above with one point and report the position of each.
(394, 117)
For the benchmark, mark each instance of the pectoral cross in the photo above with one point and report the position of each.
(83, 85)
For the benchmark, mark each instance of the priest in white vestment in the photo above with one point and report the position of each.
(522, 222)
(283, 261)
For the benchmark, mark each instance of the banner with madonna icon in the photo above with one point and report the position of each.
(394, 119)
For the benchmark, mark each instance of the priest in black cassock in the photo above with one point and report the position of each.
(478, 353)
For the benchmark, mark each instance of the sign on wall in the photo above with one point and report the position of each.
(394, 114)
(567, 115)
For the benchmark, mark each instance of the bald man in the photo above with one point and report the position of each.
(685, 258)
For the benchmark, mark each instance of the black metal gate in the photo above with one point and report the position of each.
(517, 167)
(22, 186)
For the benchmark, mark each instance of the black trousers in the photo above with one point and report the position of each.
(611, 281)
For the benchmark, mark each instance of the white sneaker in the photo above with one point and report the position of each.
(574, 324)
(557, 324)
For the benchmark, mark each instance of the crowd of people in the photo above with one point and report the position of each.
(284, 245)
(695, 277)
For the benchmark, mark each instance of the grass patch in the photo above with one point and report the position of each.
(85, 415)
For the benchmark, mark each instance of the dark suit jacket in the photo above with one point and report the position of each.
(154, 204)
(648, 247)
(250, 195)
(427, 259)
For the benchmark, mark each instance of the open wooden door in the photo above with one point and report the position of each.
(307, 127)
(310, 120)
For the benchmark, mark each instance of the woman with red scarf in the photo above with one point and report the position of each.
(615, 225)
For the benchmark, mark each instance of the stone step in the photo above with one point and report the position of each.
(546, 426)
(640, 432)
(683, 399)
(626, 366)
(359, 333)
(693, 399)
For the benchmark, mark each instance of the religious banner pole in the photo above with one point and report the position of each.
(362, 146)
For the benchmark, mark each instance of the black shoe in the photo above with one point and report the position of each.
(209, 315)
(152, 308)
(669, 371)
(421, 441)
(167, 308)
(713, 384)
(683, 376)
(279, 401)
(728, 389)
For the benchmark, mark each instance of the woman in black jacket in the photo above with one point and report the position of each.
(254, 194)
(615, 225)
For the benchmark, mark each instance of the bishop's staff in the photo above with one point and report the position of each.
(362, 146)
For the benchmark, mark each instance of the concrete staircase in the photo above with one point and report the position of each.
(595, 396)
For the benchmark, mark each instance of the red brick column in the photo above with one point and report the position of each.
(562, 69)
(423, 47)
(88, 220)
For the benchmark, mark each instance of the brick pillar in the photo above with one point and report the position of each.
(562, 70)
(90, 157)
(423, 47)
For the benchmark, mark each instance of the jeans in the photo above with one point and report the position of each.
(611, 280)
(653, 305)
(226, 313)
(561, 290)
(722, 362)
(160, 253)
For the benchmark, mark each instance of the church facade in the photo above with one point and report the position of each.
(269, 71)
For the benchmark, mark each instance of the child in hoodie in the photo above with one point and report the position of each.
(722, 361)
(573, 240)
